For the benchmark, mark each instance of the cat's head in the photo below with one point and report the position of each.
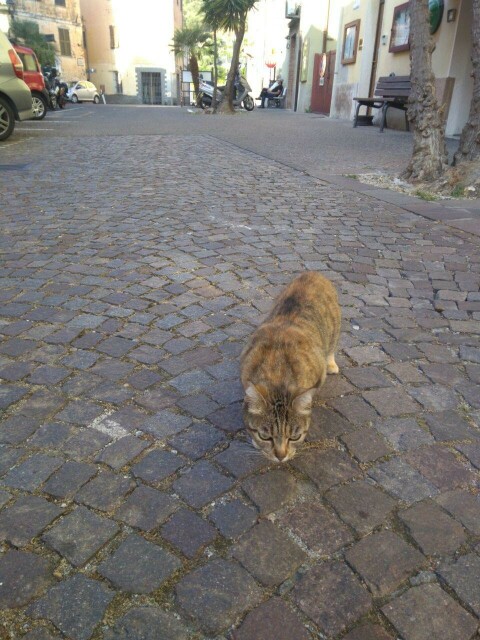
(277, 420)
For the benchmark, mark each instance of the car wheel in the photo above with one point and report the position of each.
(96, 99)
(7, 120)
(39, 107)
(74, 98)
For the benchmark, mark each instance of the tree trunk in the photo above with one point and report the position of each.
(429, 157)
(193, 64)
(469, 145)
(226, 106)
(215, 71)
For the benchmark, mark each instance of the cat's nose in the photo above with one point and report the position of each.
(281, 454)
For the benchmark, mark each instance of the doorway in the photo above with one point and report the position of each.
(322, 85)
(151, 86)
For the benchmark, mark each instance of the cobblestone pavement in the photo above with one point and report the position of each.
(131, 504)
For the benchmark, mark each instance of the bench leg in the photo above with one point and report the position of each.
(357, 109)
(383, 122)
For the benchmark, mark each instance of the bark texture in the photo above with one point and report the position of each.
(469, 145)
(193, 64)
(429, 157)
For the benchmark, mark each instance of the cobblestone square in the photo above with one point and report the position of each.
(130, 497)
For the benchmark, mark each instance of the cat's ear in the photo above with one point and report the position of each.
(255, 401)
(302, 404)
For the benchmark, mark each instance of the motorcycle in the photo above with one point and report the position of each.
(241, 99)
(61, 91)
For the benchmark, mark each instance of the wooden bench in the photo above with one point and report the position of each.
(391, 91)
(278, 101)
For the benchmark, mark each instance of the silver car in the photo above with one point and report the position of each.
(15, 96)
(84, 91)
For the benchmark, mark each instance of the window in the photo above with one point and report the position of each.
(29, 62)
(113, 37)
(60, 3)
(64, 37)
(400, 38)
(350, 42)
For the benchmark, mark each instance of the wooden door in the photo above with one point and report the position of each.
(323, 74)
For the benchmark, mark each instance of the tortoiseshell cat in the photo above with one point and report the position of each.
(286, 360)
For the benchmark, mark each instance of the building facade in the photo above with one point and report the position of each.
(373, 41)
(128, 49)
(60, 22)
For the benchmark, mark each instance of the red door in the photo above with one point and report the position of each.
(323, 73)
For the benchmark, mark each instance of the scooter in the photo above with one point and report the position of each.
(242, 97)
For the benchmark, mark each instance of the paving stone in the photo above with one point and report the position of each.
(216, 594)
(368, 632)
(427, 612)
(472, 452)
(146, 508)
(402, 481)
(75, 605)
(233, 518)
(85, 443)
(366, 444)
(435, 397)
(440, 467)
(188, 532)
(198, 406)
(403, 433)
(51, 435)
(355, 410)
(24, 576)
(201, 484)
(9, 457)
(434, 531)
(165, 423)
(367, 377)
(391, 402)
(271, 490)
(115, 347)
(157, 465)
(147, 623)
(331, 596)
(406, 372)
(4, 498)
(139, 566)
(197, 440)
(40, 633)
(461, 575)
(80, 412)
(69, 478)
(49, 375)
(10, 394)
(319, 529)
(327, 468)
(143, 379)
(464, 507)
(79, 535)
(384, 561)
(16, 371)
(366, 355)
(122, 451)
(241, 459)
(105, 492)
(268, 554)
(32, 473)
(25, 519)
(229, 419)
(327, 424)
(276, 620)
(449, 425)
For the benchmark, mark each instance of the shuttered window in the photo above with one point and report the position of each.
(64, 37)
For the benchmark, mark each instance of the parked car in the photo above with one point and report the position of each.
(84, 91)
(33, 76)
(15, 96)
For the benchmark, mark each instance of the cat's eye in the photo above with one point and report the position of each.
(296, 438)
(264, 438)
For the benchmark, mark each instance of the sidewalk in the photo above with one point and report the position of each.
(131, 505)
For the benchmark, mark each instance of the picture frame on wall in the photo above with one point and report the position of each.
(350, 42)
(400, 34)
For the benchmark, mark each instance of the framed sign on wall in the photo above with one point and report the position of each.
(400, 35)
(350, 42)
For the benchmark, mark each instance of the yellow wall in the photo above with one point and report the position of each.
(50, 18)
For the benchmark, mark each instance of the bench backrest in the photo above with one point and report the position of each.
(393, 87)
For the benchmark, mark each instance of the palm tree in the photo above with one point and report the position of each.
(213, 22)
(189, 42)
(229, 15)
